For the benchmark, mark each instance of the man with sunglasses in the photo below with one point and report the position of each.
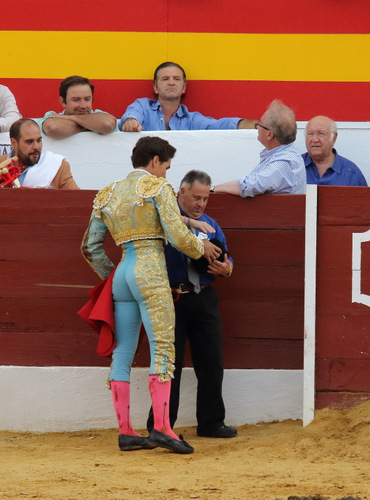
(323, 164)
(281, 169)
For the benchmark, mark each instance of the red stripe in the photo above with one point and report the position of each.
(84, 15)
(219, 16)
(339, 100)
(270, 16)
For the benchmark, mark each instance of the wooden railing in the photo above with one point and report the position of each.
(44, 281)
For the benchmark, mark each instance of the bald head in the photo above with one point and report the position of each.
(322, 122)
(321, 134)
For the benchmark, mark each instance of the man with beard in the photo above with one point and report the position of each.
(76, 95)
(39, 169)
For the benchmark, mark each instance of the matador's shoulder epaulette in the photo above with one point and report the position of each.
(103, 196)
(150, 185)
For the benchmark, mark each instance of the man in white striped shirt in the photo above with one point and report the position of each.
(281, 169)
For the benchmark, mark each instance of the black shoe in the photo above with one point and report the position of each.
(163, 441)
(128, 443)
(224, 431)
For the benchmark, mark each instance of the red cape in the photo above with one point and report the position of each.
(99, 314)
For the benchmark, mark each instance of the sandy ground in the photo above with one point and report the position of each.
(329, 459)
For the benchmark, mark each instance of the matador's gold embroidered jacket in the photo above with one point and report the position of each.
(142, 206)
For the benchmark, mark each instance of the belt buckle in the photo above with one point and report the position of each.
(176, 292)
(181, 290)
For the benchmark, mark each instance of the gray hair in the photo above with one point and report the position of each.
(333, 129)
(196, 175)
(281, 121)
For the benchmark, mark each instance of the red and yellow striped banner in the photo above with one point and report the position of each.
(238, 54)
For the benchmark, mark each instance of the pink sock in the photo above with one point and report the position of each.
(160, 394)
(121, 403)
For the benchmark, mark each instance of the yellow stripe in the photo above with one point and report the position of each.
(205, 56)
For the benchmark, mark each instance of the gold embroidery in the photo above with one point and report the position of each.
(149, 185)
(143, 209)
(131, 208)
(102, 198)
(152, 280)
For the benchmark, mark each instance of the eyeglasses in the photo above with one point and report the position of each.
(319, 134)
(262, 126)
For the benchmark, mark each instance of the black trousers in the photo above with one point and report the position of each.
(198, 321)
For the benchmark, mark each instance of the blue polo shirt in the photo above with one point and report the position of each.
(343, 172)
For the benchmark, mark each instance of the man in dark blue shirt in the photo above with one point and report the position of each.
(323, 164)
(197, 316)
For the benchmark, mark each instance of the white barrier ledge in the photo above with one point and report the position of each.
(58, 399)
(224, 154)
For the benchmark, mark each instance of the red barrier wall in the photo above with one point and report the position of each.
(342, 326)
(44, 281)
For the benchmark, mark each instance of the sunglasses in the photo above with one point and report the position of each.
(262, 126)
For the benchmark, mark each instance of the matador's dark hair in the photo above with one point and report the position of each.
(148, 147)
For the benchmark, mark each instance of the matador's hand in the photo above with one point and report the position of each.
(211, 251)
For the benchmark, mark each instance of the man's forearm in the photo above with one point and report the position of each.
(244, 123)
(101, 123)
(231, 187)
(63, 126)
(59, 128)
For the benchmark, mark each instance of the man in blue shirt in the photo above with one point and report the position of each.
(281, 168)
(323, 164)
(166, 113)
(197, 316)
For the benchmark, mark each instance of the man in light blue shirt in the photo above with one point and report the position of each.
(323, 164)
(281, 168)
(166, 112)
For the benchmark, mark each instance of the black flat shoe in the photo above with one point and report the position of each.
(224, 431)
(163, 441)
(128, 443)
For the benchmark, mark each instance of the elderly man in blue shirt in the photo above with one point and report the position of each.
(281, 168)
(166, 113)
(323, 164)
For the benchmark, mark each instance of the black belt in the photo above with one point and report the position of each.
(187, 288)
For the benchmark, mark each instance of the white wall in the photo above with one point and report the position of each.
(228, 154)
(57, 399)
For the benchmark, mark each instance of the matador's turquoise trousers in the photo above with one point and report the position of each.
(141, 293)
